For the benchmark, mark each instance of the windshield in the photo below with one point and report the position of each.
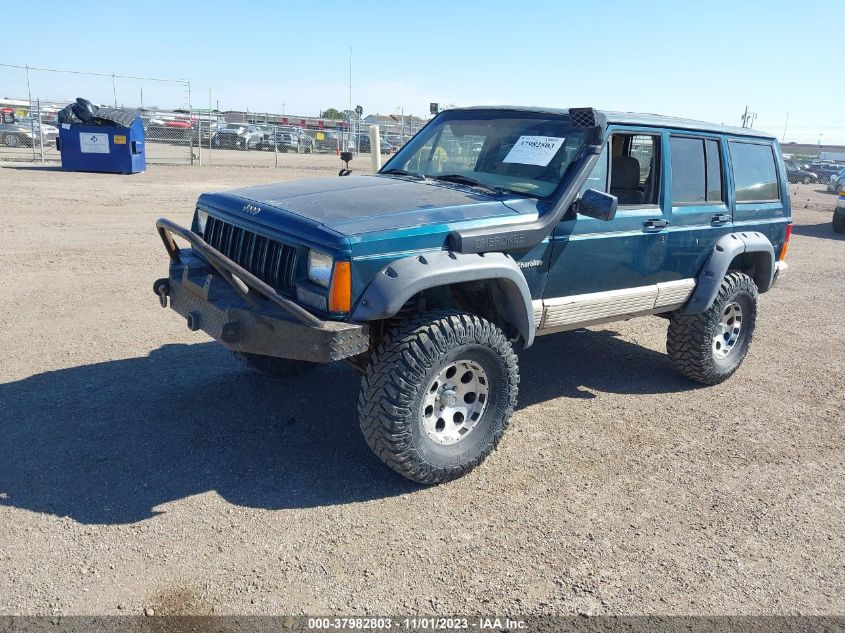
(523, 152)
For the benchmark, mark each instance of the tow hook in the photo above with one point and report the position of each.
(162, 288)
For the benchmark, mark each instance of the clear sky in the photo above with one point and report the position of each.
(704, 59)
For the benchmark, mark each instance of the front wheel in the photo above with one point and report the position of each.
(438, 395)
(839, 223)
(806, 180)
(710, 346)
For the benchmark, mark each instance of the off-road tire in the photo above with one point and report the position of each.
(838, 223)
(690, 338)
(398, 376)
(274, 366)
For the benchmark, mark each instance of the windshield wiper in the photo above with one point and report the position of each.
(472, 182)
(401, 172)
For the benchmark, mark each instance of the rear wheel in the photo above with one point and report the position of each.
(438, 395)
(806, 180)
(12, 140)
(274, 366)
(710, 346)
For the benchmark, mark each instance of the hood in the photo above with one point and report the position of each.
(362, 204)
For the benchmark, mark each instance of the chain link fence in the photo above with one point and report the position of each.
(176, 132)
(32, 97)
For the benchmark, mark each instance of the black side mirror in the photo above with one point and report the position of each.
(598, 205)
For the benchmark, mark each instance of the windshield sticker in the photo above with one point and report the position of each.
(534, 150)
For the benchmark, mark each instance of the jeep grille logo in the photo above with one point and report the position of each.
(252, 209)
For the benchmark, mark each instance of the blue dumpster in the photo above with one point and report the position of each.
(113, 149)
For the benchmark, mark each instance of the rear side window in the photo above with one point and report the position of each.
(696, 170)
(714, 170)
(688, 172)
(755, 173)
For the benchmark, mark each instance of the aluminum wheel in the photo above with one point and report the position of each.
(727, 330)
(454, 402)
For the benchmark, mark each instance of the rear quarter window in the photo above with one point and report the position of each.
(755, 172)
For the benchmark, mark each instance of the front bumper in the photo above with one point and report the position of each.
(229, 304)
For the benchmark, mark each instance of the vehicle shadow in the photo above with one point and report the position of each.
(576, 363)
(822, 230)
(33, 167)
(110, 442)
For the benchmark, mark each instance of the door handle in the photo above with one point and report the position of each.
(654, 225)
(720, 218)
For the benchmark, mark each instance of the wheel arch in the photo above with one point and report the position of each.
(445, 275)
(749, 252)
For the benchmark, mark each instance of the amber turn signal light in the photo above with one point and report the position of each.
(785, 241)
(340, 294)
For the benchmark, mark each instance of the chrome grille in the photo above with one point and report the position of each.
(271, 261)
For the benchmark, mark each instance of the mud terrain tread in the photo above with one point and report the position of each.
(688, 342)
(398, 365)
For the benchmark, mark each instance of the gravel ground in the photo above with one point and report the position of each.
(143, 468)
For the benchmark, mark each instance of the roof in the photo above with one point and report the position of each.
(633, 118)
(392, 118)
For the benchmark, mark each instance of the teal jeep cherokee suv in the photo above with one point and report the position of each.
(490, 228)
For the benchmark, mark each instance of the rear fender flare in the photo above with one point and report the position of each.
(728, 248)
(400, 280)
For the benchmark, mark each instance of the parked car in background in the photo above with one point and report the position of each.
(25, 132)
(267, 136)
(324, 141)
(825, 170)
(242, 136)
(836, 181)
(363, 142)
(290, 138)
(204, 130)
(796, 173)
(839, 213)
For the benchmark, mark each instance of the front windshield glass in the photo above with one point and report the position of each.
(522, 152)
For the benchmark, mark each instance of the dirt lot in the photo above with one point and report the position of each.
(143, 467)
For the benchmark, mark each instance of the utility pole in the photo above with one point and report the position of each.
(783, 139)
(748, 118)
(349, 126)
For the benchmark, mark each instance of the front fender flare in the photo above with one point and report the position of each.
(727, 248)
(400, 280)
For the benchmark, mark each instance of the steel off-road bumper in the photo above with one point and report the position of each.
(231, 305)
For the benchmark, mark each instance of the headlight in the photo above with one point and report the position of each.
(319, 268)
(201, 219)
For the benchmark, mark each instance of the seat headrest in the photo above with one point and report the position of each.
(625, 173)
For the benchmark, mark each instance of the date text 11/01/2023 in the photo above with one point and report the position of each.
(418, 624)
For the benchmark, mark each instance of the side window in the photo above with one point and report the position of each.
(634, 168)
(642, 149)
(755, 173)
(598, 177)
(714, 171)
(688, 174)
